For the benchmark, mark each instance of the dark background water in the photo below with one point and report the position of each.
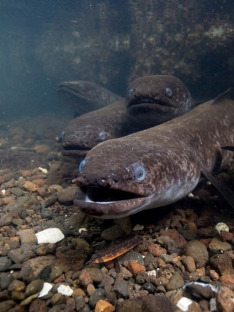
(110, 42)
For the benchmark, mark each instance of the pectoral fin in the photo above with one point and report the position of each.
(225, 191)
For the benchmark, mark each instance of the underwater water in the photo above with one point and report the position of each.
(111, 43)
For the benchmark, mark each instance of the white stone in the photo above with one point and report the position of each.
(221, 227)
(46, 288)
(65, 290)
(3, 192)
(44, 170)
(51, 235)
(184, 303)
(152, 273)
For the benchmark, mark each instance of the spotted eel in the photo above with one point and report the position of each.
(157, 166)
(150, 100)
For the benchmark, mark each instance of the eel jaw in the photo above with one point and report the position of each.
(111, 207)
(147, 101)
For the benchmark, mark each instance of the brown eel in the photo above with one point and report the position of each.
(151, 99)
(150, 105)
(157, 166)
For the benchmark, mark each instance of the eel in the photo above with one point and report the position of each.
(158, 166)
(155, 99)
(86, 131)
(161, 97)
(85, 96)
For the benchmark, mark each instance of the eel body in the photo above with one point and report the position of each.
(85, 96)
(157, 166)
(151, 100)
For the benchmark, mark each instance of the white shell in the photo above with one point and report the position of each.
(46, 288)
(82, 230)
(221, 227)
(184, 303)
(65, 290)
(52, 235)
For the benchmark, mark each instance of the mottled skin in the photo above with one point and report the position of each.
(86, 131)
(113, 121)
(173, 156)
(155, 99)
(86, 96)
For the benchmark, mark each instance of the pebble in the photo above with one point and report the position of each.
(222, 263)
(45, 289)
(175, 282)
(122, 288)
(66, 196)
(32, 268)
(198, 251)
(16, 285)
(112, 233)
(149, 287)
(29, 186)
(65, 290)
(184, 304)
(34, 287)
(51, 235)
(200, 291)
(225, 300)
(80, 303)
(96, 296)
(216, 246)
(135, 268)
(5, 263)
(27, 236)
(221, 227)
(189, 263)
(157, 250)
(104, 306)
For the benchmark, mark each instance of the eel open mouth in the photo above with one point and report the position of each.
(107, 203)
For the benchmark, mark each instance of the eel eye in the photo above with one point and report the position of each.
(130, 92)
(168, 92)
(81, 165)
(139, 173)
(102, 135)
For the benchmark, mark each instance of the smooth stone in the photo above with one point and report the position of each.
(198, 251)
(34, 287)
(104, 306)
(225, 300)
(66, 196)
(222, 263)
(97, 295)
(216, 246)
(175, 282)
(112, 233)
(5, 263)
(16, 255)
